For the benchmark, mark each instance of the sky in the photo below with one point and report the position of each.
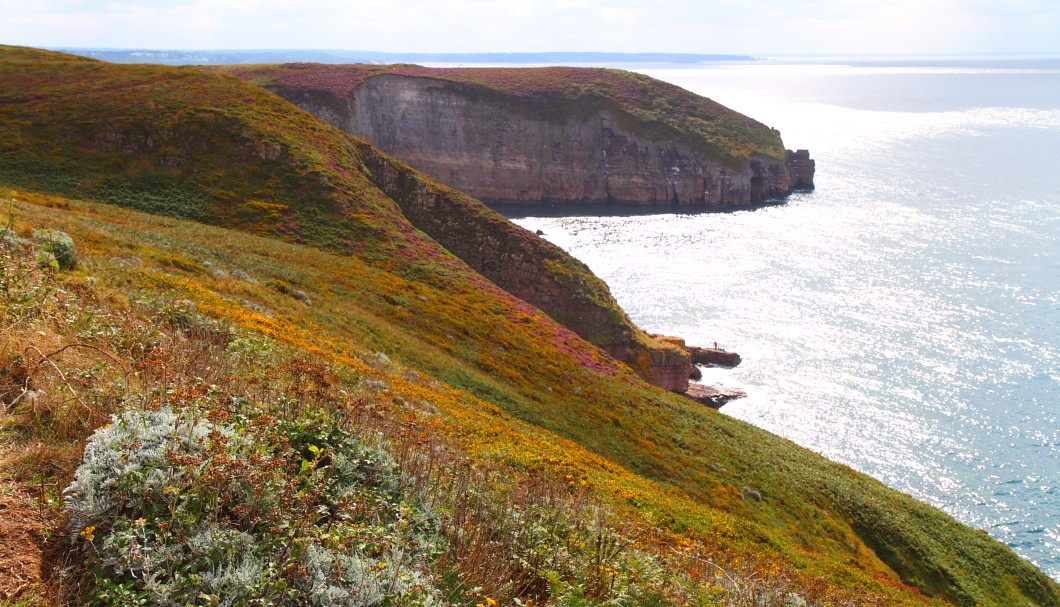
(753, 27)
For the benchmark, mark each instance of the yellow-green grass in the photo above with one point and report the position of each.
(512, 386)
(210, 147)
(664, 462)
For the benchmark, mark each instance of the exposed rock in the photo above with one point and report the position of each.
(495, 154)
(671, 365)
(670, 339)
(713, 396)
(803, 168)
(713, 356)
(670, 368)
(239, 274)
(502, 147)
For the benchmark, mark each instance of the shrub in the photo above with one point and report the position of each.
(170, 505)
(57, 246)
(10, 240)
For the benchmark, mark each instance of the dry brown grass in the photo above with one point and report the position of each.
(78, 353)
(22, 530)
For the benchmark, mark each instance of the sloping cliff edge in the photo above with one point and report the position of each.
(270, 177)
(550, 135)
(528, 267)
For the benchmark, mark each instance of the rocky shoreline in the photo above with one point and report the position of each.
(713, 356)
(711, 395)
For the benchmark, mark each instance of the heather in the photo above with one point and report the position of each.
(379, 408)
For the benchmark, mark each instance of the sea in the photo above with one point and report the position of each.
(904, 317)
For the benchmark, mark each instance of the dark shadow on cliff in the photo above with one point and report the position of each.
(522, 210)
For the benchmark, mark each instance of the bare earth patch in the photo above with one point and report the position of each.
(21, 529)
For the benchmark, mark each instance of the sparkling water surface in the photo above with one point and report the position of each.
(904, 318)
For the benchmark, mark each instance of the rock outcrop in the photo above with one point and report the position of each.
(552, 135)
(803, 168)
(678, 371)
(713, 356)
(713, 396)
(667, 366)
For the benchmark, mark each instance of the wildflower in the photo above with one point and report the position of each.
(88, 533)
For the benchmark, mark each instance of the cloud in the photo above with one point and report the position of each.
(711, 26)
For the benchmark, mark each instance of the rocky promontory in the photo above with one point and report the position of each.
(712, 356)
(550, 135)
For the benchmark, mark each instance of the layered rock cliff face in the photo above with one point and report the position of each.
(499, 144)
(500, 155)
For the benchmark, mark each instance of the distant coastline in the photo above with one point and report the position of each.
(227, 57)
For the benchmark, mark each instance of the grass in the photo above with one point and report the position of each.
(194, 145)
(473, 392)
(611, 436)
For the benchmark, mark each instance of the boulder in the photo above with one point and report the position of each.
(713, 396)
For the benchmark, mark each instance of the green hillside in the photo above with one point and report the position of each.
(238, 156)
(239, 267)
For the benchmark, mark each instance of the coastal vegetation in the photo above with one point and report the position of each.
(256, 383)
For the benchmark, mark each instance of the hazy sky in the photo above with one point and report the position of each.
(756, 27)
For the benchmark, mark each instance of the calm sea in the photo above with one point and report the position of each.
(904, 318)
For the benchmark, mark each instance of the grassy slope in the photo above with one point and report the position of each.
(645, 106)
(238, 157)
(658, 456)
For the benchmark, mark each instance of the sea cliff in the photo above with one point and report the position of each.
(276, 282)
(551, 135)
